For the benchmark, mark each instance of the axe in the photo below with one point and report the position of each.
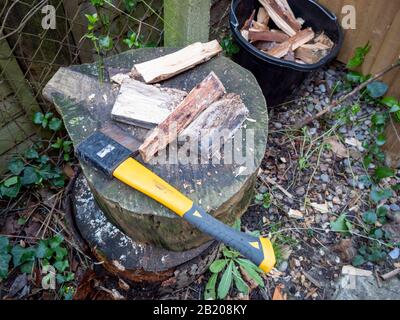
(116, 161)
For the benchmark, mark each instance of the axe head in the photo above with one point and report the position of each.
(102, 152)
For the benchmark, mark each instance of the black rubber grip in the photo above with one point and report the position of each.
(248, 245)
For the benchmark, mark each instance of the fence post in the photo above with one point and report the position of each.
(186, 21)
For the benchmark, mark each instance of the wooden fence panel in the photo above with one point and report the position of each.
(379, 23)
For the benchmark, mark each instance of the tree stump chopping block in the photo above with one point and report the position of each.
(225, 191)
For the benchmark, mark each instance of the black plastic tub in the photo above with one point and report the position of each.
(279, 78)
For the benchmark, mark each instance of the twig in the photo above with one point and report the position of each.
(390, 274)
(270, 181)
(339, 101)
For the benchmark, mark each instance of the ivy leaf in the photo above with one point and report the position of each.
(378, 119)
(381, 139)
(61, 265)
(377, 89)
(209, 292)
(226, 282)
(11, 181)
(106, 43)
(38, 118)
(5, 259)
(130, 5)
(358, 260)
(230, 253)
(384, 172)
(30, 176)
(22, 255)
(16, 166)
(369, 217)
(31, 154)
(4, 244)
(377, 195)
(55, 124)
(354, 77)
(60, 253)
(389, 101)
(218, 265)
(27, 267)
(10, 192)
(43, 251)
(55, 241)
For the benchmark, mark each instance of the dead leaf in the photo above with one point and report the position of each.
(19, 283)
(250, 281)
(69, 171)
(337, 147)
(295, 214)
(278, 292)
(345, 250)
(323, 208)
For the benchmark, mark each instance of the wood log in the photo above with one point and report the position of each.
(271, 36)
(282, 18)
(325, 40)
(257, 26)
(172, 64)
(311, 53)
(221, 120)
(247, 24)
(262, 16)
(145, 105)
(265, 45)
(200, 98)
(286, 7)
(302, 37)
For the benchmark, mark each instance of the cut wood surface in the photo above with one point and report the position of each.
(220, 120)
(262, 16)
(272, 36)
(311, 53)
(324, 40)
(301, 38)
(282, 18)
(172, 64)
(145, 105)
(200, 98)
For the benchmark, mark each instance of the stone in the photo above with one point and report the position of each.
(322, 88)
(300, 191)
(283, 266)
(325, 178)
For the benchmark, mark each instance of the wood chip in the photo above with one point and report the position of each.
(350, 270)
(323, 208)
(295, 214)
(311, 53)
(262, 16)
(282, 17)
(302, 37)
(272, 36)
(337, 147)
(172, 64)
(325, 40)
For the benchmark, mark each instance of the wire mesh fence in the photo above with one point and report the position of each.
(39, 36)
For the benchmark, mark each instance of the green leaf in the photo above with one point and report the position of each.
(252, 270)
(377, 195)
(382, 212)
(359, 56)
(38, 118)
(55, 124)
(226, 282)
(341, 224)
(60, 253)
(378, 233)
(106, 43)
(358, 260)
(381, 139)
(22, 255)
(30, 176)
(43, 159)
(390, 101)
(130, 5)
(230, 253)
(396, 187)
(218, 265)
(31, 154)
(378, 119)
(43, 251)
(11, 192)
(370, 217)
(16, 166)
(97, 3)
(4, 244)
(377, 89)
(209, 291)
(354, 77)
(384, 172)
(61, 265)
(11, 181)
(239, 282)
(27, 267)
(55, 241)
(5, 259)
